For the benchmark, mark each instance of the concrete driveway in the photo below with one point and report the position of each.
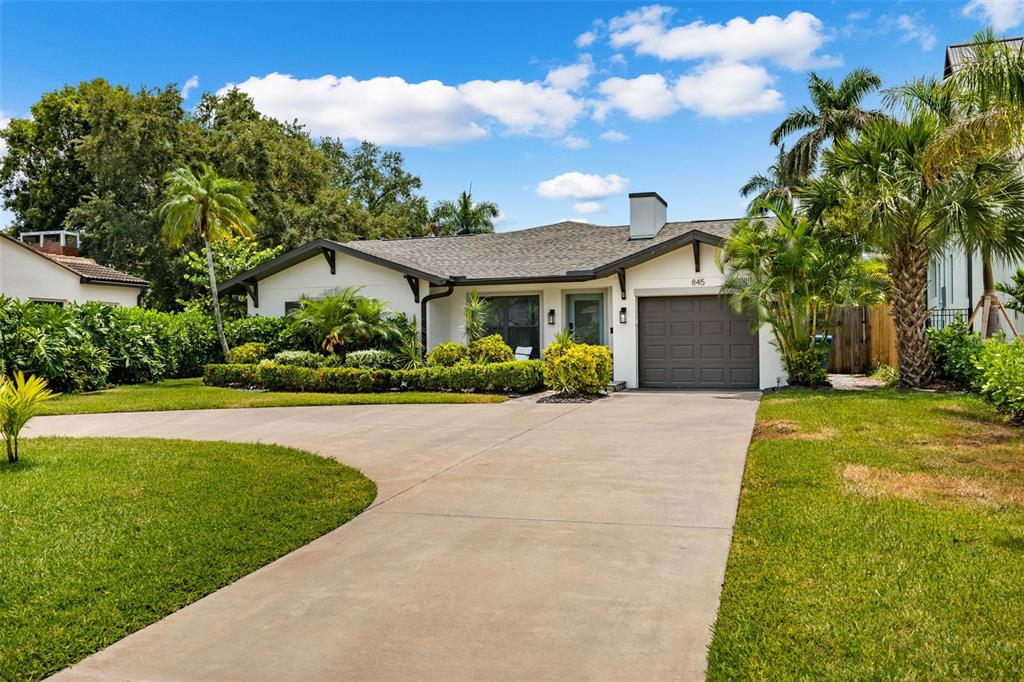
(513, 541)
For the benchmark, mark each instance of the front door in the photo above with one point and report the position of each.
(586, 318)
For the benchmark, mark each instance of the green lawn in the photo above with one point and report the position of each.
(104, 536)
(191, 394)
(880, 536)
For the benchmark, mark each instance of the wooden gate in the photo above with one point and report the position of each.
(862, 339)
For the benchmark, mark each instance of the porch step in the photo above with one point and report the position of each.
(615, 386)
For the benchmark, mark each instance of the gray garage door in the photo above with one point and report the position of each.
(695, 342)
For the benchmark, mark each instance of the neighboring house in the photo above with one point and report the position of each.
(48, 269)
(649, 290)
(955, 278)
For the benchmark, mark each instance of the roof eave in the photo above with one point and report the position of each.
(114, 283)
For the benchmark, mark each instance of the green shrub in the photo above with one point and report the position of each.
(248, 353)
(807, 367)
(273, 331)
(300, 358)
(577, 368)
(232, 376)
(490, 349)
(371, 359)
(504, 377)
(1000, 379)
(955, 350)
(448, 354)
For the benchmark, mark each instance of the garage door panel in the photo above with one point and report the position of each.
(695, 342)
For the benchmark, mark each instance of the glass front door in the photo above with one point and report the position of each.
(586, 318)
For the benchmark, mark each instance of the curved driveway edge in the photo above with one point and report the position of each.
(510, 541)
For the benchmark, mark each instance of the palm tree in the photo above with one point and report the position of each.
(777, 183)
(878, 183)
(464, 216)
(834, 114)
(987, 86)
(994, 229)
(211, 208)
(343, 321)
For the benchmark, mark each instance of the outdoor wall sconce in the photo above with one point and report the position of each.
(551, 316)
(622, 315)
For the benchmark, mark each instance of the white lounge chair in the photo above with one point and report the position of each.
(523, 352)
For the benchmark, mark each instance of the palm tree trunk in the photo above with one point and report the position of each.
(216, 298)
(988, 277)
(908, 266)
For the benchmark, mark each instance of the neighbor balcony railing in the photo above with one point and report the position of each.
(940, 317)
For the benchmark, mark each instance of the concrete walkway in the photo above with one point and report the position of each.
(513, 541)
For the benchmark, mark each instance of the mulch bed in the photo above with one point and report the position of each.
(561, 398)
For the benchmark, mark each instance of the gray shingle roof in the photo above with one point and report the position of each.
(549, 251)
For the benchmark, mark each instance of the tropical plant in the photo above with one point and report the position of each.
(476, 314)
(344, 321)
(20, 397)
(955, 350)
(793, 273)
(577, 368)
(464, 216)
(210, 208)
(879, 183)
(1014, 290)
(835, 114)
(778, 182)
(1001, 376)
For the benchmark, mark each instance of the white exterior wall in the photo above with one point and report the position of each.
(948, 282)
(673, 274)
(27, 275)
(313, 278)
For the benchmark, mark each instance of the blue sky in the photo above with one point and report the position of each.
(553, 110)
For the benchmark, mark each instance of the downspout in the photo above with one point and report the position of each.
(423, 314)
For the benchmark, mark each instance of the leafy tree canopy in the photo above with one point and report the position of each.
(92, 156)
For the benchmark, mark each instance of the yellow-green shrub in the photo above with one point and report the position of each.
(490, 349)
(448, 354)
(577, 368)
(248, 353)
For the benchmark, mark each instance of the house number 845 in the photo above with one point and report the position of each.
(697, 282)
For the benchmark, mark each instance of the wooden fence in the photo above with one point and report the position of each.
(863, 338)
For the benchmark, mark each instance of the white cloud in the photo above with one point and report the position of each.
(614, 136)
(524, 108)
(586, 39)
(617, 59)
(571, 77)
(1001, 14)
(858, 15)
(191, 84)
(914, 30)
(791, 42)
(576, 185)
(389, 110)
(645, 97)
(728, 90)
(587, 207)
(575, 142)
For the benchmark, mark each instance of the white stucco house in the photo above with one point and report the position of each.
(648, 290)
(46, 268)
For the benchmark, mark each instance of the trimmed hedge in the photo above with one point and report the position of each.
(503, 377)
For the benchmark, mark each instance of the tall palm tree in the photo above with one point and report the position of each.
(210, 208)
(878, 182)
(835, 114)
(994, 229)
(778, 182)
(464, 216)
